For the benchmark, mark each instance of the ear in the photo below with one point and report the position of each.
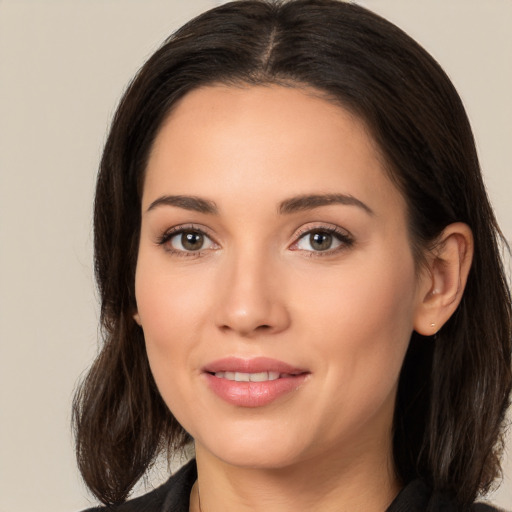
(136, 317)
(443, 281)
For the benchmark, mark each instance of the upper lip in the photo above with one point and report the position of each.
(253, 365)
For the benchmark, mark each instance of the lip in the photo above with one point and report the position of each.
(254, 365)
(253, 394)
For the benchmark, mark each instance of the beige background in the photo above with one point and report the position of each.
(63, 65)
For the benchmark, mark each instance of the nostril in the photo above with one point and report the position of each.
(260, 328)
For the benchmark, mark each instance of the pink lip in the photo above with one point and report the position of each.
(253, 394)
(254, 365)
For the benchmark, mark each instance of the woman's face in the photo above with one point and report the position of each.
(275, 282)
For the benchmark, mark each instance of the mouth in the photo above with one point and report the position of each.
(253, 382)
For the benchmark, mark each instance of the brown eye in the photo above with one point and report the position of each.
(192, 240)
(323, 240)
(320, 241)
(188, 241)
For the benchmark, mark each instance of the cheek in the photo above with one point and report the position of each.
(169, 318)
(359, 333)
(363, 321)
(376, 293)
(171, 312)
(169, 301)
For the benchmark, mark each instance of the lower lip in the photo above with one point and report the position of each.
(253, 394)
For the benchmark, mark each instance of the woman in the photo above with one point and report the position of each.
(299, 270)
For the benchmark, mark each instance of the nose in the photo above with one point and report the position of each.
(251, 301)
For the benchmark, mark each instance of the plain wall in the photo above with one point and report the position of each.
(63, 66)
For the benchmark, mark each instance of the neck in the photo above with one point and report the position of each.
(326, 484)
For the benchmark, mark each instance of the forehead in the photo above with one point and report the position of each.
(223, 140)
(290, 113)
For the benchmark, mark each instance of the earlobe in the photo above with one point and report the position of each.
(136, 317)
(443, 282)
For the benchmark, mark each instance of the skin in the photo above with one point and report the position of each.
(258, 287)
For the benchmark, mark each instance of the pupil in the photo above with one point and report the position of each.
(320, 241)
(192, 241)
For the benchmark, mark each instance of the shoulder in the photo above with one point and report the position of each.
(172, 496)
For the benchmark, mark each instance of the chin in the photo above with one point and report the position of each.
(256, 448)
(247, 458)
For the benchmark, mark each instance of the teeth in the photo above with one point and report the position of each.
(259, 377)
(263, 376)
(248, 377)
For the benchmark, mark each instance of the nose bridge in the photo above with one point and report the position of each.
(251, 300)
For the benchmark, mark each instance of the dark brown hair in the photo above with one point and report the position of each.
(453, 389)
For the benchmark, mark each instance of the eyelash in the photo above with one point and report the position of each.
(344, 238)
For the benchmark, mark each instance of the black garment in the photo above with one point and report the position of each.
(174, 496)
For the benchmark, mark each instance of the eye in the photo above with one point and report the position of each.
(183, 240)
(322, 240)
(188, 241)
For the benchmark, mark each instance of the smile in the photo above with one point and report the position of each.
(253, 382)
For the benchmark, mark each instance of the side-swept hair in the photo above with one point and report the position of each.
(453, 390)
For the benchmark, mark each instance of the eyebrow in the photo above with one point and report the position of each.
(308, 202)
(192, 203)
(288, 206)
